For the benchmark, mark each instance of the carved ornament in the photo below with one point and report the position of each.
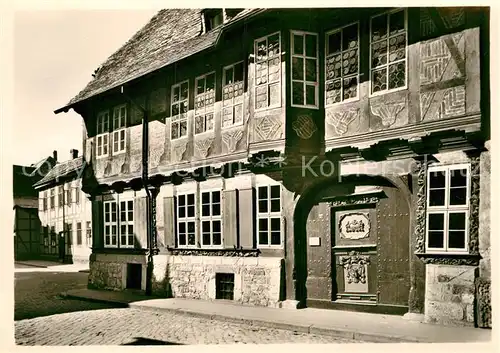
(340, 120)
(355, 267)
(354, 226)
(388, 111)
(231, 139)
(304, 127)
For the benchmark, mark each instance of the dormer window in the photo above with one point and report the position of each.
(213, 18)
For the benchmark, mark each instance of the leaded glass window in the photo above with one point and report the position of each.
(268, 71)
(179, 110)
(204, 103)
(342, 64)
(232, 94)
(388, 37)
(305, 80)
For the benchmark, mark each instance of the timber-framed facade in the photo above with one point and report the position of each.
(296, 157)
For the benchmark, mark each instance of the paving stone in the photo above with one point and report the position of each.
(127, 326)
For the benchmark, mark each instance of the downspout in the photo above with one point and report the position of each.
(145, 184)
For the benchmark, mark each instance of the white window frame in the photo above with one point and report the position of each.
(102, 134)
(211, 218)
(187, 219)
(127, 222)
(52, 198)
(446, 209)
(387, 64)
(206, 109)
(119, 129)
(342, 51)
(231, 102)
(110, 223)
(88, 233)
(269, 215)
(181, 116)
(304, 57)
(267, 84)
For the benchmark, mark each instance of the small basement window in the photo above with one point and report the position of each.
(134, 276)
(224, 286)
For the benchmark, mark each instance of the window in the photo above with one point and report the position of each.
(268, 72)
(60, 196)
(448, 208)
(186, 220)
(211, 222)
(119, 128)
(118, 231)
(232, 95)
(68, 192)
(304, 69)
(213, 18)
(102, 134)
(52, 198)
(69, 231)
(79, 233)
(179, 109)
(224, 286)
(342, 64)
(388, 40)
(269, 215)
(44, 201)
(89, 233)
(77, 195)
(204, 103)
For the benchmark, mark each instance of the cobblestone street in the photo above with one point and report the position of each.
(37, 294)
(136, 327)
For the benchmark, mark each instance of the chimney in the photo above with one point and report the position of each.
(74, 153)
(54, 154)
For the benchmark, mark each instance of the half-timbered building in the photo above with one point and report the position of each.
(333, 158)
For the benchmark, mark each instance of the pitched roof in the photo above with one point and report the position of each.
(171, 35)
(61, 170)
(23, 179)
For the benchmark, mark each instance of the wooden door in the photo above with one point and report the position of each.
(370, 253)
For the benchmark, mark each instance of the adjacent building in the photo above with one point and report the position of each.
(64, 212)
(26, 221)
(333, 158)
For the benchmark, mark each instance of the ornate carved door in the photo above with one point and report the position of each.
(370, 252)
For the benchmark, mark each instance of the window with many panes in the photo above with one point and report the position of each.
(118, 223)
(204, 103)
(342, 64)
(269, 215)
(232, 94)
(119, 128)
(102, 142)
(77, 195)
(44, 201)
(179, 110)
(448, 208)
(305, 78)
(52, 198)
(186, 220)
(211, 221)
(268, 71)
(388, 42)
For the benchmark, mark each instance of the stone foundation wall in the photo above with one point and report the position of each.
(449, 294)
(257, 280)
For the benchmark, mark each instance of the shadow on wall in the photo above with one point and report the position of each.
(162, 287)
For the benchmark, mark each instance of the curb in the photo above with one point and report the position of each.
(309, 329)
(95, 300)
(30, 265)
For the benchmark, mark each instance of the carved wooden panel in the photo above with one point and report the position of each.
(135, 152)
(203, 146)
(267, 127)
(452, 17)
(389, 111)
(442, 104)
(355, 227)
(156, 142)
(232, 140)
(344, 121)
(355, 272)
(178, 151)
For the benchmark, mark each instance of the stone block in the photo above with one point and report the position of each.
(443, 311)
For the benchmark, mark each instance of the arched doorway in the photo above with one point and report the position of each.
(351, 245)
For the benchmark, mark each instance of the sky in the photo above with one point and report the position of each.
(55, 54)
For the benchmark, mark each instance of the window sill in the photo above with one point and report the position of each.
(449, 259)
(213, 252)
(388, 91)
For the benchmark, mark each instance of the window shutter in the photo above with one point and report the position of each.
(169, 221)
(246, 218)
(140, 222)
(230, 231)
(97, 224)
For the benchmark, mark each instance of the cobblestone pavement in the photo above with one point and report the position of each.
(142, 327)
(37, 294)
